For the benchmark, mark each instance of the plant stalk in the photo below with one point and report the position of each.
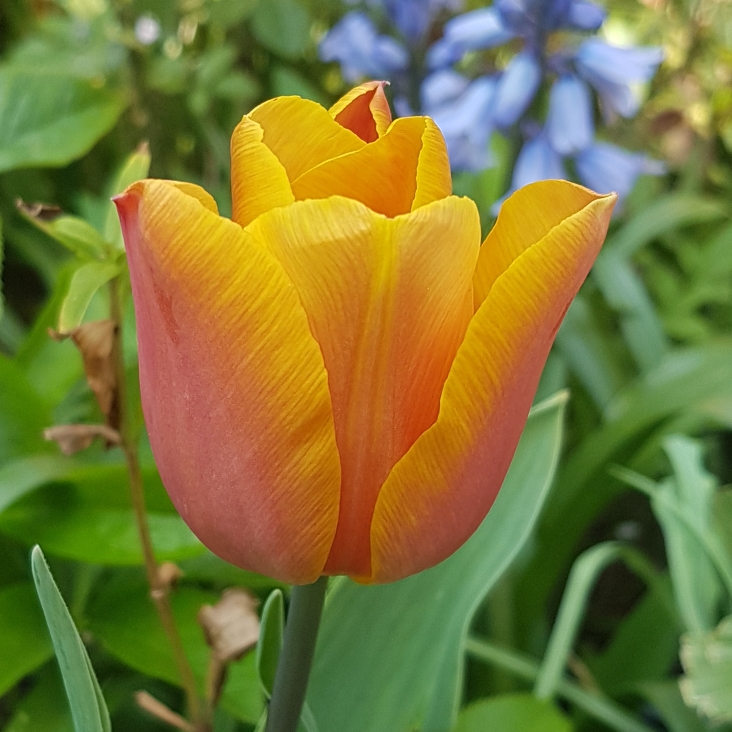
(296, 656)
(159, 589)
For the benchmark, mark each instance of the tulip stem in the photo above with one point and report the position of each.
(296, 656)
(159, 587)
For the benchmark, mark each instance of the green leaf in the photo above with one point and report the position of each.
(271, 630)
(50, 120)
(694, 382)
(512, 713)
(2, 253)
(286, 81)
(45, 708)
(88, 708)
(74, 233)
(23, 415)
(123, 618)
(666, 213)
(85, 283)
(666, 698)
(390, 657)
(24, 642)
(135, 168)
(644, 646)
(695, 582)
(21, 476)
(707, 662)
(86, 515)
(282, 26)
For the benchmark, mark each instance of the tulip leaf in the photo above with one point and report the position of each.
(390, 657)
(2, 254)
(49, 119)
(85, 283)
(124, 619)
(88, 708)
(512, 713)
(272, 627)
(24, 642)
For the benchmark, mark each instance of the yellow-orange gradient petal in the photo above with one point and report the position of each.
(521, 223)
(401, 171)
(258, 180)
(302, 134)
(388, 300)
(446, 483)
(233, 385)
(364, 110)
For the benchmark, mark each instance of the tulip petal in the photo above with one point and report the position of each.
(388, 300)
(302, 134)
(438, 494)
(258, 180)
(515, 231)
(364, 110)
(413, 146)
(233, 385)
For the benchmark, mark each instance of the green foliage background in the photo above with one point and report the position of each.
(599, 600)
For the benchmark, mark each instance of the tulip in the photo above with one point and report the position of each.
(335, 380)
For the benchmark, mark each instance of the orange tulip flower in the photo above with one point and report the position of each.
(335, 381)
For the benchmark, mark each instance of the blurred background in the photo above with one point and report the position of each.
(631, 95)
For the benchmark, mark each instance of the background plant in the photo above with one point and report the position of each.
(627, 562)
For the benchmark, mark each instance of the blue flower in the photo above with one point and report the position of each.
(569, 124)
(611, 70)
(413, 18)
(606, 168)
(472, 31)
(537, 161)
(463, 117)
(516, 88)
(361, 51)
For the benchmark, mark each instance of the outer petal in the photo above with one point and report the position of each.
(388, 301)
(516, 231)
(401, 171)
(364, 110)
(438, 494)
(258, 180)
(302, 134)
(233, 386)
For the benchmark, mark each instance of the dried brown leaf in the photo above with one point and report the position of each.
(231, 625)
(40, 211)
(72, 438)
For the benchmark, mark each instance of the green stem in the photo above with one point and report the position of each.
(296, 656)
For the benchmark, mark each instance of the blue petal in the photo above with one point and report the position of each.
(355, 43)
(413, 18)
(606, 168)
(443, 53)
(466, 125)
(618, 65)
(478, 29)
(516, 89)
(585, 16)
(569, 125)
(537, 161)
(441, 87)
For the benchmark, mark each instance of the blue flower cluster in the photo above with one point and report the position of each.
(469, 110)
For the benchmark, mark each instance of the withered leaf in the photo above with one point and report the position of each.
(39, 211)
(231, 626)
(72, 438)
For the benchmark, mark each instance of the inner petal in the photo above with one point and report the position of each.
(406, 168)
(389, 301)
